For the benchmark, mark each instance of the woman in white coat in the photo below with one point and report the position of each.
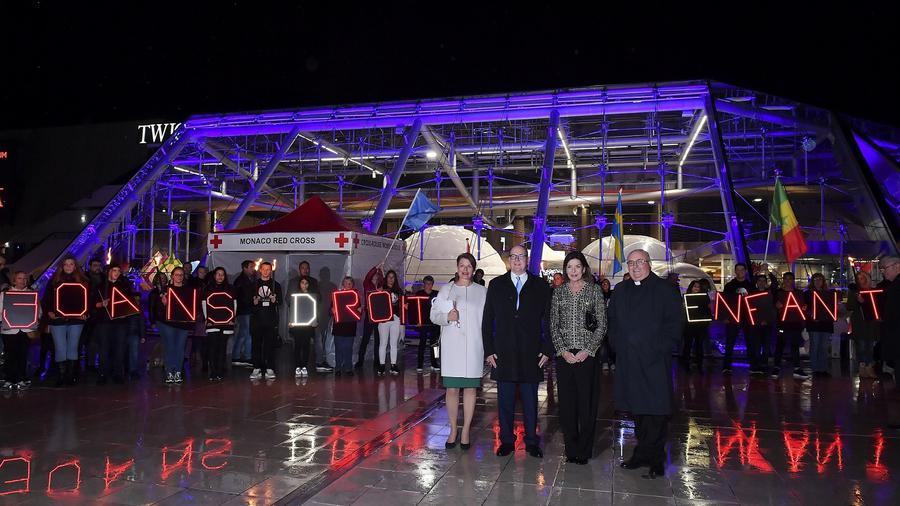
(458, 309)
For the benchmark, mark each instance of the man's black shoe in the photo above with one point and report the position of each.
(505, 450)
(535, 451)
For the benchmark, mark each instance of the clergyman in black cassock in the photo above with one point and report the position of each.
(646, 320)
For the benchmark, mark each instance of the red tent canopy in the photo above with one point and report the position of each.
(314, 215)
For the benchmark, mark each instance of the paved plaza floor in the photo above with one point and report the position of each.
(362, 440)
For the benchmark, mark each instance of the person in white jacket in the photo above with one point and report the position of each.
(16, 340)
(458, 309)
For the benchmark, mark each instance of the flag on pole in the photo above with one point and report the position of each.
(420, 211)
(782, 215)
(618, 231)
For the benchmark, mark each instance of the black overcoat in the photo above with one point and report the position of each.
(646, 322)
(517, 336)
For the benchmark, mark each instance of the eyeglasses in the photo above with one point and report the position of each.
(637, 263)
(888, 266)
(518, 257)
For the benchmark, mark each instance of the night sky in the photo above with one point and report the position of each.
(65, 66)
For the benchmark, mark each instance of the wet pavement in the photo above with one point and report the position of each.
(365, 440)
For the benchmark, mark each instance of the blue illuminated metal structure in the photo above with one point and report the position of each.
(247, 167)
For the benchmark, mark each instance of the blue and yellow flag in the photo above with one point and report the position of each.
(618, 231)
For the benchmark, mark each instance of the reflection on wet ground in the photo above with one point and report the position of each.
(365, 440)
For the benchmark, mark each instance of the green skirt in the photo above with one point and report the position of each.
(452, 382)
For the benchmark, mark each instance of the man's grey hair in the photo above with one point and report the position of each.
(644, 252)
(888, 259)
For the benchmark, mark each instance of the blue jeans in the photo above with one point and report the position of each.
(65, 341)
(343, 346)
(241, 347)
(134, 348)
(864, 351)
(818, 351)
(173, 340)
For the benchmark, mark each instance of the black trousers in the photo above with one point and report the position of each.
(731, 332)
(651, 432)
(368, 329)
(112, 343)
(506, 404)
(216, 352)
(758, 345)
(15, 348)
(263, 333)
(694, 337)
(791, 337)
(577, 391)
(427, 336)
(302, 338)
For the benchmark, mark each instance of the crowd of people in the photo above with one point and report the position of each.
(515, 325)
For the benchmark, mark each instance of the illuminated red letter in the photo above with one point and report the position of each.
(817, 301)
(796, 449)
(380, 307)
(751, 308)
(71, 463)
(228, 308)
(73, 297)
(836, 446)
(721, 299)
(344, 304)
(116, 298)
(873, 303)
(26, 480)
(419, 301)
(748, 449)
(189, 313)
(185, 461)
(113, 472)
(218, 453)
(28, 299)
(791, 302)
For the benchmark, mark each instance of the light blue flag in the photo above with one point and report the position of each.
(420, 211)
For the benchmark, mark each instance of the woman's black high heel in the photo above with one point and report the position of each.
(451, 445)
(464, 446)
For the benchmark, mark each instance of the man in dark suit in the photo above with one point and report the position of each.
(516, 347)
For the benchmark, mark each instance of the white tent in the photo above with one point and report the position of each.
(439, 246)
(656, 249)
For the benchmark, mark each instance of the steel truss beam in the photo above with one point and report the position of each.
(733, 223)
(540, 214)
(215, 149)
(412, 134)
(261, 180)
(848, 151)
(437, 144)
(457, 117)
(105, 222)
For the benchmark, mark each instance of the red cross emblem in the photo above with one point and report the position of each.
(215, 241)
(341, 240)
(355, 241)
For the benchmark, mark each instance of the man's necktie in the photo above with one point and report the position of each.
(518, 290)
